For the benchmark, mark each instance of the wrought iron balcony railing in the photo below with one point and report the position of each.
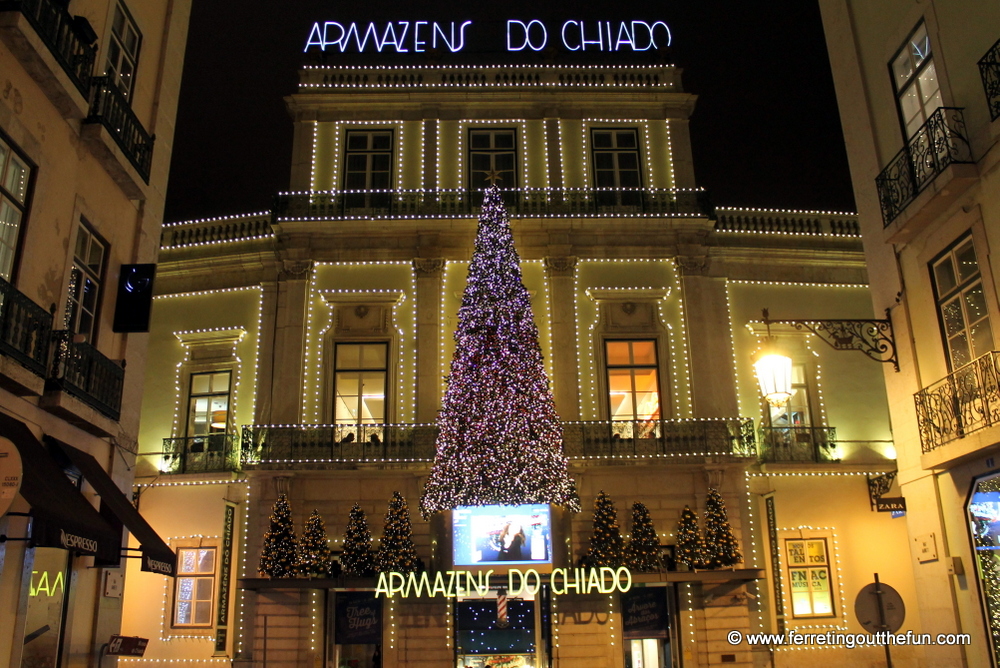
(522, 202)
(25, 329)
(210, 453)
(964, 401)
(271, 446)
(798, 444)
(66, 38)
(989, 70)
(81, 370)
(110, 108)
(939, 142)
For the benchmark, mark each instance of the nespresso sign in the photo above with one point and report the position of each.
(532, 35)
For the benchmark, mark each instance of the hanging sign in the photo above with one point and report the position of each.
(890, 504)
(450, 584)
(10, 474)
(358, 618)
(521, 35)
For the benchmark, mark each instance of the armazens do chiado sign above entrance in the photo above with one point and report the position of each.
(451, 584)
(521, 35)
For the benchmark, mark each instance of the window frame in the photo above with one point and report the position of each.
(386, 370)
(130, 21)
(608, 367)
(369, 196)
(913, 81)
(616, 196)
(199, 575)
(84, 225)
(23, 207)
(808, 569)
(960, 288)
(192, 395)
(492, 151)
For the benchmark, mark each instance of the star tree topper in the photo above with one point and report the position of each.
(500, 438)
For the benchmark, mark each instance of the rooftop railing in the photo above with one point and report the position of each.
(964, 401)
(989, 70)
(110, 108)
(521, 202)
(66, 38)
(81, 370)
(25, 329)
(939, 142)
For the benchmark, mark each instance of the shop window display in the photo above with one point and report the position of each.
(984, 523)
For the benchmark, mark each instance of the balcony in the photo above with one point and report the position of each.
(289, 446)
(57, 50)
(111, 111)
(989, 70)
(79, 370)
(210, 453)
(962, 403)
(938, 144)
(798, 444)
(521, 202)
(25, 329)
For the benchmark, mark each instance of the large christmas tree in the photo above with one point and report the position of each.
(278, 554)
(607, 547)
(499, 439)
(357, 558)
(315, 559)
(721, 547)
(643, 551)
(397, 552)
(690, 546)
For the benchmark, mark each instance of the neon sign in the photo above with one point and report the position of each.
(452, 584)
(533, 35)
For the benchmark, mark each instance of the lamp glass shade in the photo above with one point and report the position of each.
(219, 419)
(774, 373)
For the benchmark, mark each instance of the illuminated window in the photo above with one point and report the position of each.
(89, 260)
(123, 51)
(194, 588)
(616, 167)
(15, 176)
(368, 167)
(961, 302)
(360, 383)
(633, 380)
(795, 413)
(208, 410)
(492, 159)
(918, 91)
(809, 577)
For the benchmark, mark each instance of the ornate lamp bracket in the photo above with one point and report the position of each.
(878, 486)
(874, 338)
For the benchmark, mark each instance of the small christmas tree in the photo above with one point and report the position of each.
(690, 546)
(278, 554)
(357, 558)
(499, 438)
(315, 560)
(607, 547)
(397, 552)
(721, 547)
(643, 551)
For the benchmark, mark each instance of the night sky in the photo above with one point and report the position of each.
(765, 130)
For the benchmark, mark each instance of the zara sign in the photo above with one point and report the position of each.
(533, 35)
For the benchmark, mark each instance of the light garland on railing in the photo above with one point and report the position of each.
(217, 219)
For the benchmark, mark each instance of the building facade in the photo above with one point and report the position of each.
(85, 87)
(304, 351)
(917, 89)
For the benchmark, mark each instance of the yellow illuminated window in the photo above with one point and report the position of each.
(194, 590)
(360, 383)
(633, 380)
(809, 580)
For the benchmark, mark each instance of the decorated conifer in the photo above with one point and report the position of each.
(397, 552)
(690, 546)
(721, 547)
(499, 436)
(357, 558)
(315, 559)
(607, 547)
(278, 553)
(643, 551)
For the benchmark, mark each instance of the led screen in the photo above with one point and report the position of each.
(502, 535)
(984, 512)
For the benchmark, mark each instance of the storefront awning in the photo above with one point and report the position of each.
(61, 516)
(157, 557)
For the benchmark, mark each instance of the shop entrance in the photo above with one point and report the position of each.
(483, 641)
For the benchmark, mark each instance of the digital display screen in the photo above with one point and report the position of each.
(984, 512)
(502, 535)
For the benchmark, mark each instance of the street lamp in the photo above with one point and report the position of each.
(774, 370)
